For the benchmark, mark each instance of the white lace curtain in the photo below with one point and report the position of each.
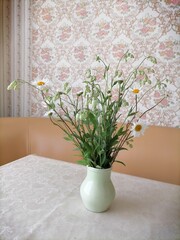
(14, 56)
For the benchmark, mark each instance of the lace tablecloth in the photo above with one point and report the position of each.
(40, 200)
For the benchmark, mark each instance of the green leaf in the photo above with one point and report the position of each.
(152, 59)
(121, 132)
(82, 162)
(131, 113)
(68, 90)
(122, 148)
(86, 147)
(13, 85)
(98, 58)
(68, 138)
(107, 68)
(141, 72)
(66, 85)
(88, 90)
(115, 83)
(80, 93)
(120, 82)
(120, 162)
(130, 55)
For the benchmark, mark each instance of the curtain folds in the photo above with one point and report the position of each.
(4, 57)
(15, 56)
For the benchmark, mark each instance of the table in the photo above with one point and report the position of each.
(40, 200)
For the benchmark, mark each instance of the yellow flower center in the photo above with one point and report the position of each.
(136, 90)
(138, 128)
(40, 83)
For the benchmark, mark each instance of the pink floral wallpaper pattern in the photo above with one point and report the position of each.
(67, 35)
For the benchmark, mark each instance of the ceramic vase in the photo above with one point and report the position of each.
(97, 190)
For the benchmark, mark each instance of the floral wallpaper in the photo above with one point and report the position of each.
(67, 35)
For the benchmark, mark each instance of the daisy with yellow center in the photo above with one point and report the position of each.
(138, 129)
(41, 84)
(136, 89)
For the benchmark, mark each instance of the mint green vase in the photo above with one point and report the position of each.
(97, 190)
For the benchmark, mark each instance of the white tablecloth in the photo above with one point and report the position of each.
(40, 200)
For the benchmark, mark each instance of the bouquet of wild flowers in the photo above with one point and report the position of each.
(92, 119)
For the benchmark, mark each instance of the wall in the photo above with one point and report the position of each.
(66, 36)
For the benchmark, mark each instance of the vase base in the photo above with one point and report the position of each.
(97, 211)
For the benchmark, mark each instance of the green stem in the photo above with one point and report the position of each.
(152, 107)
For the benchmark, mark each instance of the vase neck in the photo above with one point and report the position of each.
(99, 172)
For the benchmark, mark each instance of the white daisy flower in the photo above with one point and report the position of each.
(136, 89)
(41, 83)
(138, 129)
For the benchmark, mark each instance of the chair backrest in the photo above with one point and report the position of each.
(156, 155)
